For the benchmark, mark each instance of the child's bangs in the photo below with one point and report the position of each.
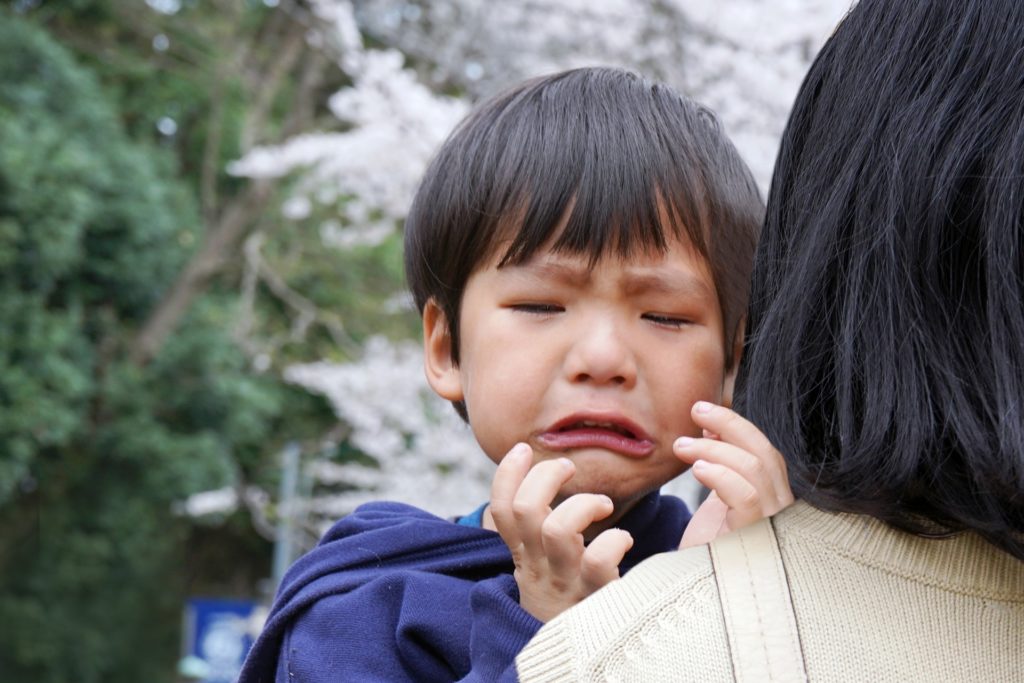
(597, 222)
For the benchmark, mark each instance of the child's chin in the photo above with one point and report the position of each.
(619, 478)
(618, 490)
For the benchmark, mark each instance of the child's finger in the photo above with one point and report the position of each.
(733, 428)
(760, 474)
(743, 499)
(601, 559)
(532, 502)
(507, 479)
(562, 531)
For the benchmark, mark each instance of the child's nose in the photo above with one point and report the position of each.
(600, 355)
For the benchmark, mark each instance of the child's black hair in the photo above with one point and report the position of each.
(885, 347)
(614, 151)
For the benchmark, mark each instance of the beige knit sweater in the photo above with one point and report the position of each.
(871, 604)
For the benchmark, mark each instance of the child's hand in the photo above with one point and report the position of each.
(554, 570)
(745, 473)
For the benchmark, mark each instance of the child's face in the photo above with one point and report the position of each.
(600, 365)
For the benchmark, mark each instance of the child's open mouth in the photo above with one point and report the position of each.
(615, 434)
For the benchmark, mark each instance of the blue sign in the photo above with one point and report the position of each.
(217, 637)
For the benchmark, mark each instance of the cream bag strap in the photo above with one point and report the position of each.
(763, 637)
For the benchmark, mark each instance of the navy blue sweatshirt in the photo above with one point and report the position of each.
(392, 593)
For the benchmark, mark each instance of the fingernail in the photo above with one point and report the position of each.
(704, 407)
(684, 441)
(566, 463)
(519, 450)
(700, 465)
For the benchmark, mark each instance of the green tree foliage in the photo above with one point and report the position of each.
(95, 450)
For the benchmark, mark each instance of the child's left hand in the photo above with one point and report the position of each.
(746, 474)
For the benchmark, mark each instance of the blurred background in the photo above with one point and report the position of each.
(206, 350)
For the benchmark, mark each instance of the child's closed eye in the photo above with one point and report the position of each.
(537, 308)
(666, 320)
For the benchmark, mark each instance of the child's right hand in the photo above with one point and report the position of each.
(554, 569)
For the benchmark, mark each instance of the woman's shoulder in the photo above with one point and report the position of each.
(666, 610)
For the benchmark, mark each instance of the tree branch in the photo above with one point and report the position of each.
(235, 220)
(269, 83)
(211, 155)
(240, 215)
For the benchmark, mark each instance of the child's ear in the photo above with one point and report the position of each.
(737, 352)
(442, 372)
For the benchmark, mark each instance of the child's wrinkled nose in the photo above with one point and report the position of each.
(600, 355)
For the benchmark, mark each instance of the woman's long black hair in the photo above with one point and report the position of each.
(885, 348)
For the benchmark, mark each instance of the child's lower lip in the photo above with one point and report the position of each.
(596, 438)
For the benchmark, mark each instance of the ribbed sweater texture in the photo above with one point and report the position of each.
(872, 604)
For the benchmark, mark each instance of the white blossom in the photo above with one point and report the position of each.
(743, 58)
(394, 125)
(426, 454)
(221, 501)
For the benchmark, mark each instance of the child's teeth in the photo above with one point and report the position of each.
(603, 425)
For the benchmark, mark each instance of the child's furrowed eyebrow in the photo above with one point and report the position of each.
(563, 273)
(669, 282)
(675, 283)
